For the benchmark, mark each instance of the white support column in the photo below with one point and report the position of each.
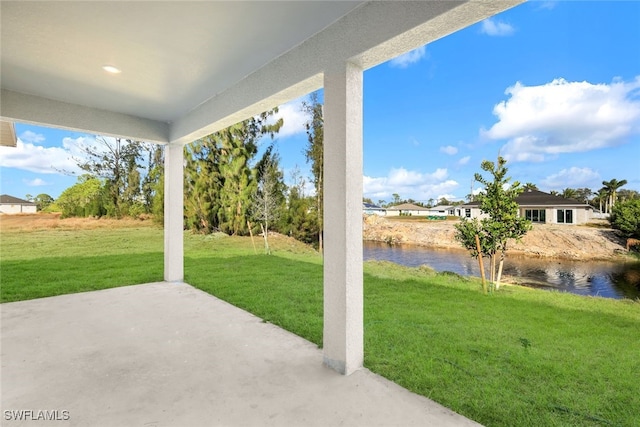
(343, 295)
(173, 213)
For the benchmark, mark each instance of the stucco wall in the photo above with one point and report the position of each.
(16, 209)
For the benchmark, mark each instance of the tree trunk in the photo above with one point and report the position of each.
(266, 240)
(484, 281)
(500, 270)
(493, 268)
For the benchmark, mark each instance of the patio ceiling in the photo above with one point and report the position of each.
(191, 68)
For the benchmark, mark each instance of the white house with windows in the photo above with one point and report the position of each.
(407, 209)
(443, 211)
(541, 208)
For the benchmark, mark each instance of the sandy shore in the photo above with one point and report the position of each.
(544, 240)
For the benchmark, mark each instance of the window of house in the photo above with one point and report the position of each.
(565, 216)
(467, 213)
(535, 215)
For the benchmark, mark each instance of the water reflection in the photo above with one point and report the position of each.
(606, 279)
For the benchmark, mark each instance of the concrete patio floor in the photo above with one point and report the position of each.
(167, 354)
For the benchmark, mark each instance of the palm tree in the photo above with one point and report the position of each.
(529, 186)
(569, 193)
(612, 186)
(602, 195)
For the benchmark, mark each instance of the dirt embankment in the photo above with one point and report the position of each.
(544, 240)
(48, 221)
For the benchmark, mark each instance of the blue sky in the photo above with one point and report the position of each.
(552, 86)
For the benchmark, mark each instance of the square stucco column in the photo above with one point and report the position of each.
(173, 213)
(343, 295)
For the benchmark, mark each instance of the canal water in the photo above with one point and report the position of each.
(599, 278)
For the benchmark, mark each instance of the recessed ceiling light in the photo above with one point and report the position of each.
(111, 69)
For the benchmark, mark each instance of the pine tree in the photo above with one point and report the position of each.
(219, 178)
(314, 154)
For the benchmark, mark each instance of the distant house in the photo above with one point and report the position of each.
(371, 209)
(407, 209)
(13, 205)
(443, 211)
(541, 208)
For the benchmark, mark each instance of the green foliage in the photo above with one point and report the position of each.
(116, 162)
(503, 222)
(43, 201)
(625, 217)
(128, 189)
(610, 190)
(315, 154)
(220, 181)
(269, 200)
(86, 198)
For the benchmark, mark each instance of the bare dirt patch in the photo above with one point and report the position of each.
(592, 242)
(50, 221)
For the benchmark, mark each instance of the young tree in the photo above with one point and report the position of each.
(502, 223)
(269, 197)
(315, 152)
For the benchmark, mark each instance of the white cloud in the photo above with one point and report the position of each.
(294, 118)
(404, 60)
(449, 149)
(409, 185)
(36, 158)
(573, 177)
(549, 5)
(493, 27)
(544, 121)
(37, 182)
(463, 161)
(32, 137)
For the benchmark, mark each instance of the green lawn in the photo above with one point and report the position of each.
(519, 357)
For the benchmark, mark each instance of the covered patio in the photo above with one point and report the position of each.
(167, 354)
(181, 71)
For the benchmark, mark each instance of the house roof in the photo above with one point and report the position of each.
(5, 199)
(538, 198)
(407, 207)
(371, 206)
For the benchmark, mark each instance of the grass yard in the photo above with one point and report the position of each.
(519, 357)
